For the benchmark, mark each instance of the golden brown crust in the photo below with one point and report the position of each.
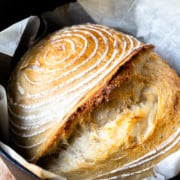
(56, 77)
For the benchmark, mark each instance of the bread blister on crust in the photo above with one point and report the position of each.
(88, 95)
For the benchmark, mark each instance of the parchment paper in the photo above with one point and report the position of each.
(156, 22)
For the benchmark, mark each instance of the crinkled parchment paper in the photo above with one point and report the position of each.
(156, 22)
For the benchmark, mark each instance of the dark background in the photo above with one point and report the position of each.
(12, 11)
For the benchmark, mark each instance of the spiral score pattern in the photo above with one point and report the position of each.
(57, 76)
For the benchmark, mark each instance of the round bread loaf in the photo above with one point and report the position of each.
(90, 102)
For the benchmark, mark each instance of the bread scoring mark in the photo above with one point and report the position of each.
(28, 146)
(20, 89)
(76, 68)
(72, 79)
(33, 118)
(24, 134)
